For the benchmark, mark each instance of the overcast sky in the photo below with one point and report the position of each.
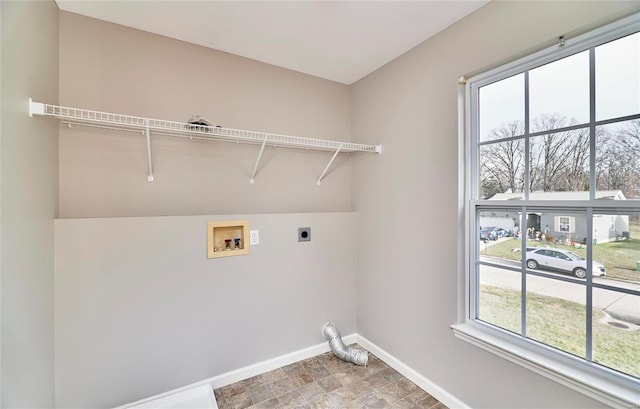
(562, 87)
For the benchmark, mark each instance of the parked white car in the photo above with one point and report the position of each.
(561, 260)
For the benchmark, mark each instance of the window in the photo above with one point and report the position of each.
(554, 171)
(564, 224)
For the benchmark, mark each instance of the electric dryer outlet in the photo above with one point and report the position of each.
(304, 233)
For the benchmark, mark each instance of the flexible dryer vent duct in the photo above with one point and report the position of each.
(339, 349)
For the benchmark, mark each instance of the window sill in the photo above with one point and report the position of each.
(596, 382)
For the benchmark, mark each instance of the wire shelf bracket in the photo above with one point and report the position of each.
(148, 126)
(324, 172)
(255, 168)
(148, 135)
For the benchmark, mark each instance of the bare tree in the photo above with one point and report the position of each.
(502, 164)
(576, 175)
(558, 161)
(618, 158)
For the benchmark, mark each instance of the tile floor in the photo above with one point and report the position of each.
(326, 382)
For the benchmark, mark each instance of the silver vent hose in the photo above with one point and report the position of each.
(339, 349)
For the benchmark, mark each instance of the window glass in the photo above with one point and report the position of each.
(499, 236)
(502, 166)
(556, 314)
(502, 108)
(559, 162)
(556, 242)
(618, 78)
(618, 159)
(616, 330)
(560, 90)
(616, 314)
(616, 238)
(500, 298)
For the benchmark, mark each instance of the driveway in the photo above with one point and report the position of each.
(625, 307)
(488, 243)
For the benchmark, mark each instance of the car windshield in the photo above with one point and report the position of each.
(574, 256)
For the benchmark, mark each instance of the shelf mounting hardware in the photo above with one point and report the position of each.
(146, 131)
(36, 108)
(328, 165)
(255, 168)
(120, 122)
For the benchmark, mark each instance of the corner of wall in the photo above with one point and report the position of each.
(28, 203)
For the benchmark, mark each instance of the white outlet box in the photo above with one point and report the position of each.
(254, 237)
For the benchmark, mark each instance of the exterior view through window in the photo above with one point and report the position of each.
(554, 210)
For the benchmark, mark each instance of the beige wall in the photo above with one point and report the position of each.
(140, 309)
(111, 68)
(167, 315)
(404, 304)
(408, 199)
(28, 206)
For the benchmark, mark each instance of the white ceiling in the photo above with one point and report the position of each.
(341, 41)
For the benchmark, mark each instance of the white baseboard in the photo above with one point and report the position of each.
(275, 363)
(424, 383)
(251, 370)
(287, 359)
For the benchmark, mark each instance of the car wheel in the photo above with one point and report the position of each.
(580, 272)
(532, 264)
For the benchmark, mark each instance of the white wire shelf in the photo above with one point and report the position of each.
(85, 117)
(158, 126)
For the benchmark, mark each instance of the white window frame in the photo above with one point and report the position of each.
(569, 223)
(607, 386)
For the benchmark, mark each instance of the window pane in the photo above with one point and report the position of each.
(616, 331)
(499, 299)
(618, 78)
(501, 169)
(556, 242)
(559, 162)
(617, 248)
(560, 90)
(502, 108)
(618, 158)
(499, 237)
(556, 314)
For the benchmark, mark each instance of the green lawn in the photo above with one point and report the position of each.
(561, 323)
(620, 258)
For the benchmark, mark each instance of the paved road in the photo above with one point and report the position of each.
(625, 307)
